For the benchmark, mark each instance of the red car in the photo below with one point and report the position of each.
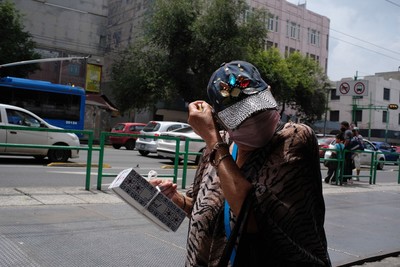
(127, 141)
(323, 142)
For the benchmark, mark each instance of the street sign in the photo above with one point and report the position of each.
(352, 88)
(393, 106)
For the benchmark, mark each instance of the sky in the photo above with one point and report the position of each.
(364, 35)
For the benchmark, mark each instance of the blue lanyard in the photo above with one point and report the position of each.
(227, 214)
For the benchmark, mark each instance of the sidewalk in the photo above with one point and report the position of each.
(70, 226)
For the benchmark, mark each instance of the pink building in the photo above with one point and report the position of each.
(295, 28)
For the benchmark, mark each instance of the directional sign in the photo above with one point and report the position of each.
(352, 88)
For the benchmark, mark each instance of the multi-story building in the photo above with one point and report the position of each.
(370, 112)
(104, 28)
(66, 29)
(295, 28)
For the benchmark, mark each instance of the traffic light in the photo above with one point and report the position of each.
(393, 106)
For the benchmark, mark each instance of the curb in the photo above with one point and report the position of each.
(73, 164)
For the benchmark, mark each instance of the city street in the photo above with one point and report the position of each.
(26, 171)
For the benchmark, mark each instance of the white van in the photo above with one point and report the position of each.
(21, 118)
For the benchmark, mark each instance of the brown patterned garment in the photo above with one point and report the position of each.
(289, 206)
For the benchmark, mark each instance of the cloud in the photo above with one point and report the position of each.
(361, 38)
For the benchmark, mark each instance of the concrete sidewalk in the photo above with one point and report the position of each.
(70, 226)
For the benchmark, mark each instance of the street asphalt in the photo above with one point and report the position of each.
(70, 226)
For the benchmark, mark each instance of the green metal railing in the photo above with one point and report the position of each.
(373, 164)
(174, 176)
(89, 147)
(104, 135)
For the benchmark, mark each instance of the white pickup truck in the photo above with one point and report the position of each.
(22, 118)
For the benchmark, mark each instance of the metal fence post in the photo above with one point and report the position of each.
(89, 160)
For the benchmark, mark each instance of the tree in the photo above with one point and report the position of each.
(296, 81)
(139, 77)
(15, 44)
(309, 83)
(191, 38)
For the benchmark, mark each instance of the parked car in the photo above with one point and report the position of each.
(154, 129)
(323, 142)
(22, 118)
(385, 147)
(167, 148)
(128, 142)
(365, 158)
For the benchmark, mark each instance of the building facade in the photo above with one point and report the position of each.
(104, 28)
(66, 29)
(371, 112)
(294, 28)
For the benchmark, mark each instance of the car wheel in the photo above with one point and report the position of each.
(381, 164)
(144, 152)
(116, 146)
(130, 144)
(58, 155)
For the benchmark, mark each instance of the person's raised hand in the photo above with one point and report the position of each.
(202, 121)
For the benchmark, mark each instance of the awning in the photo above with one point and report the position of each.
(103, 102)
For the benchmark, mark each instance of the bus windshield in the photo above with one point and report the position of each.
(59, 105)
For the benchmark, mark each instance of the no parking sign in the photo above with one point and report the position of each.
(352, 88)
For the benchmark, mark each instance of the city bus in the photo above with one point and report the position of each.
(60, 105)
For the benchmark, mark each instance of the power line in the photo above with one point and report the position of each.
(397, 59)
(359, 39)
(348, 35)
(393, 3)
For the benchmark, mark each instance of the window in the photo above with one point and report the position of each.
(313, 37)
(358, 115)
(384, 116)
(386, 94)
(247, 14)
(399, 119)
(270, 45)
(21, 118)
(49, 105)
(293, 30)
(334, 115)
(334, 96)
(273, 23)
(74, 69)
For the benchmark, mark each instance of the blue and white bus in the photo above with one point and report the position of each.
(59, 105)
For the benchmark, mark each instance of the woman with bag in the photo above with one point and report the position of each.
(257, 201)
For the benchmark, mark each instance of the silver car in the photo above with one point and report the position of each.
(148, 144)
(365, 158)
(167, 147)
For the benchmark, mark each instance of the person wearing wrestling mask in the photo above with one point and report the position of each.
(260, 173)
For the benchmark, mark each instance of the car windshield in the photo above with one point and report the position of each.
(151, 127)
(183, 130)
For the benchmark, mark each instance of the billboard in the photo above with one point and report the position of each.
(93, 78)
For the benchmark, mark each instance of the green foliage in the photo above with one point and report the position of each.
(140, 78)
(186, 40)
(296, 81)
(192, 38)
(15, 44)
